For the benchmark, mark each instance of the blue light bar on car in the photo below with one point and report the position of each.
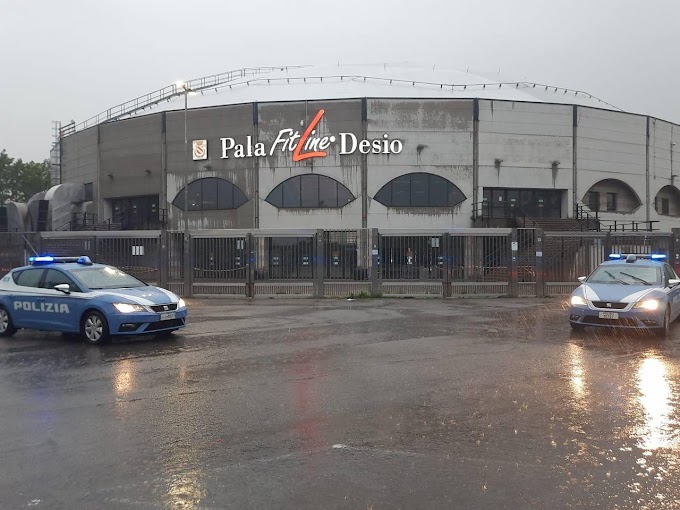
(635, 256)
(41, 260)
(48, 259)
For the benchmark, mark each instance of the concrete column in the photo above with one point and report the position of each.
(475, 157)
(188, 265)
(376, 280)
(540, 275)
(319, 264)
(250, 274)
(674, 255)
(513, 287)
(447, 262)
(163, 259)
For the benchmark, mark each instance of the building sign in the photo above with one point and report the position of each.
(307, 145)
(200, 150)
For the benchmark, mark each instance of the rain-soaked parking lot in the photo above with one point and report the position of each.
(480, 403)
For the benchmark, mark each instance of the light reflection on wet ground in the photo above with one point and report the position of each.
(474, 404)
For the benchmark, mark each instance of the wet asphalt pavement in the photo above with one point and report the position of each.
(372, 404)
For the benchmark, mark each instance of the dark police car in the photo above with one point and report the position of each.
(73, 295)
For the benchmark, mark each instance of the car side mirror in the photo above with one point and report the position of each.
(582, 279)
(63, 287)
(673, 282)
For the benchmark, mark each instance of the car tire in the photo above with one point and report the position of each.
(166, 334)
(577, 327)
(664, 331)
(94, 328)
(7, 328)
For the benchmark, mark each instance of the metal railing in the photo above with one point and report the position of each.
(364, 262)
(166, 94)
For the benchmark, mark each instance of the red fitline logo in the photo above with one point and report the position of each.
(316, 154)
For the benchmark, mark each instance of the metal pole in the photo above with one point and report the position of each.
(186, 168)
(188, 262)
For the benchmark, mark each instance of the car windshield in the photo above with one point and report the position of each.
(627, 274)
(106, 277)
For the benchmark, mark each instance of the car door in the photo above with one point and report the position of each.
(61, 311)
(25, 298)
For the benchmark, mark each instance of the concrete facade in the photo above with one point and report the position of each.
(473, 143)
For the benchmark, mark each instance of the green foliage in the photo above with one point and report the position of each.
(20, 180)
(365, 295)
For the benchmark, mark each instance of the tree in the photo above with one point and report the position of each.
(20, 180)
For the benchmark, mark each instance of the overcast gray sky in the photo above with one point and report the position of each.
(70, 59)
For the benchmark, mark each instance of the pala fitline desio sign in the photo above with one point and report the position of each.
(302, 146)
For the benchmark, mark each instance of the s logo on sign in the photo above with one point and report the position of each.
(200, 149)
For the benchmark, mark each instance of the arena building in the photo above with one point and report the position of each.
(359, 147)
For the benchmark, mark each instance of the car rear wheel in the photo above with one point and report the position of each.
(6, 326)
(94, 329)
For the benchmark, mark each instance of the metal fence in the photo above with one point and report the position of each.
(336, 263)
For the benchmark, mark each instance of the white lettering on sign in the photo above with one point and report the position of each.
(309, 144)
(31, 306)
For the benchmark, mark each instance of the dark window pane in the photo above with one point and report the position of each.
(54, 277)
(195, 196)
(384, 195)
(178, 202)
(87, 192)
(401, 191)
(291, 192)
(594, 200)
(328, 192)
(344, 196)
(309, 185)
(209, 194)
(611, 201)
(239, 197)
(439, 192)
(455, 195)
(225, 191)
(276, 196)
(419, 190)
(30, 278)
(665, 206)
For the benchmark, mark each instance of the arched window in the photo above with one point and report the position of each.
(211, 193)
(667, 201)
(311, 191)
(612, 195)
(419, 190)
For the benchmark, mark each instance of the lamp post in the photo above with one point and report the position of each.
(187, 246)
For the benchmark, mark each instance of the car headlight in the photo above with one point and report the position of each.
(648, 304)
(181, 303)
(128, 307)
(577, 300)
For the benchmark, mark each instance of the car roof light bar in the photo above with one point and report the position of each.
(632, 257)
(48, 259)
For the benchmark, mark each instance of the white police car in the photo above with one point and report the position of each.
(73, 295)
(629, 291)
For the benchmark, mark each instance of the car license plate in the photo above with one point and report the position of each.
(609, 315)
(170, 316)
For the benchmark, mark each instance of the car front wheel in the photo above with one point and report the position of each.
(577, 327)
(666, 329)
(94, 329)
(6, 326)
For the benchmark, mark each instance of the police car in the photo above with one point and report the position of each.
(628, 291)
(73, 295)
